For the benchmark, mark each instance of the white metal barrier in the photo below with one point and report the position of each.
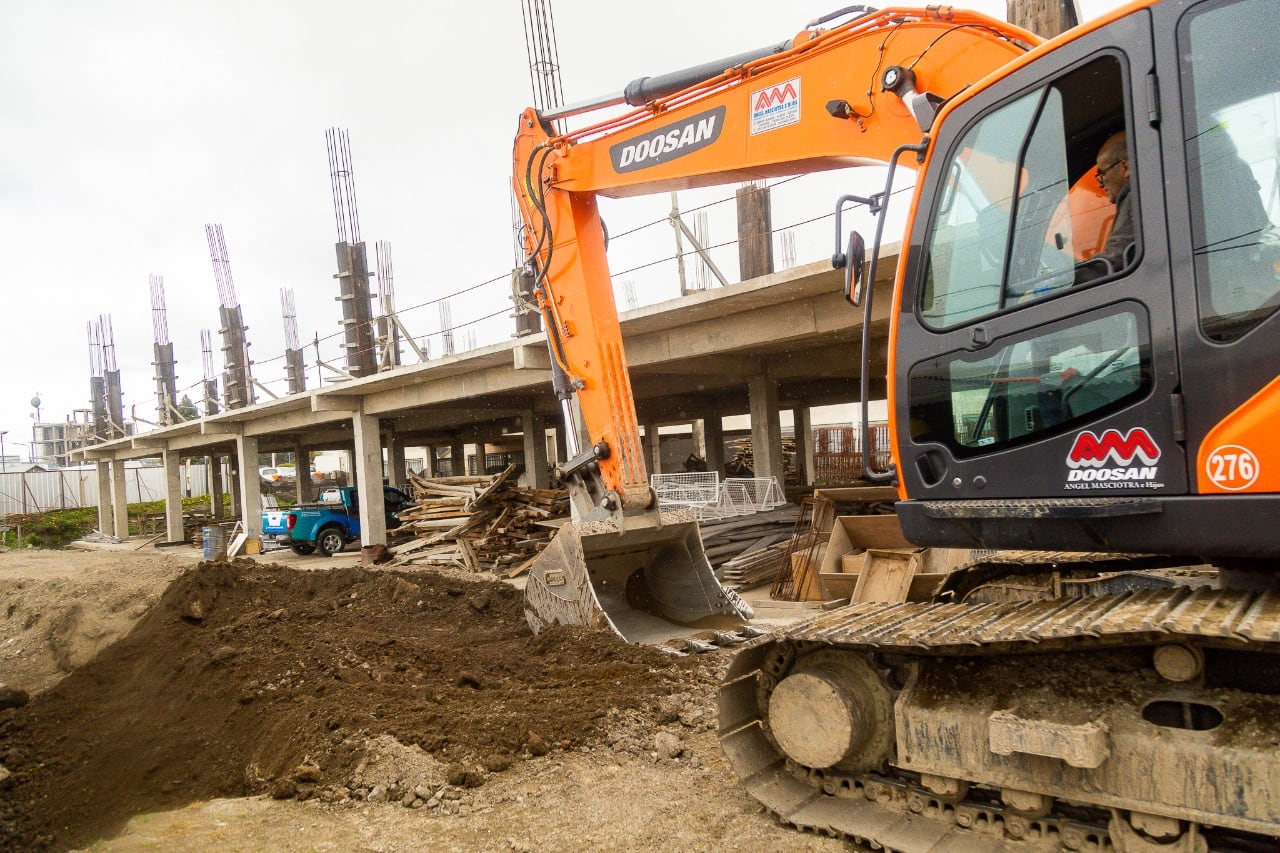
(689, 489)
(763, 492)
(710, 498)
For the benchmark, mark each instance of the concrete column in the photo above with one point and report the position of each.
(216, 490)
(457, 458)
(395, 460)
(766, 430)
(535, 451)
(106, 520)
(248, 485)
(652, 449)
(713, 441)
(802, 418)
(368, 471)
(562, 446)
(172, 497)
(698, 434)
(302, 467)
(429, 467)
(119, 499)
(233, 480)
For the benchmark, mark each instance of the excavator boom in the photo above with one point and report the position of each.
(827, 99)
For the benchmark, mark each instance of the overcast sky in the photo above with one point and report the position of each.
(129, 125)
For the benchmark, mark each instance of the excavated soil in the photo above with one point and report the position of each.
(343, 686)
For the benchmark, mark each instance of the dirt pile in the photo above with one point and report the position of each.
(345, 684)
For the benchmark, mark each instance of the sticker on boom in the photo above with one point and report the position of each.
(775, 107)
(667, 143)
(1113, 461)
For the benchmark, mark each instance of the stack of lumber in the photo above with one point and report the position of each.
(746, 551)
(754, 568)
(478, 523)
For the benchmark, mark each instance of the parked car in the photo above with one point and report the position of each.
(327, 526)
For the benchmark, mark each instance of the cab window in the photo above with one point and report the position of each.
(1022, 213)
(1231, 115)
(1032, 385)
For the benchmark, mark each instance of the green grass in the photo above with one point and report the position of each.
(56, 528)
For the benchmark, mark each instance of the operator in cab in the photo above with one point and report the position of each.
(1113, 177)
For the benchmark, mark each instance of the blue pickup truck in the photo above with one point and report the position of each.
(326, 527)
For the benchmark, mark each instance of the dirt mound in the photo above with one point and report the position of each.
(248, 679)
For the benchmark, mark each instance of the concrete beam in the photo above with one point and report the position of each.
(449, 390)
(708, 365)
(297, 420)
(532, 357)
(446, 420)
(334, 403)
(221, 431)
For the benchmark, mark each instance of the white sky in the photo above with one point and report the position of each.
(129, 125)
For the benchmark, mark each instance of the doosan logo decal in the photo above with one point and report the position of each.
(1113, 460)
(669, 142)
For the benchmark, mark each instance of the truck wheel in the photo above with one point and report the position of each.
(302, 549)
(330, 541)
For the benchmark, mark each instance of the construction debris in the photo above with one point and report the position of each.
(479, 523)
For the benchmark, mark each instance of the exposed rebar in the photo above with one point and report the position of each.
(343, 181)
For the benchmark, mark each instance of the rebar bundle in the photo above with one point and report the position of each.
(166, 369)
(237, 383)
(294, 364)
(388, 329)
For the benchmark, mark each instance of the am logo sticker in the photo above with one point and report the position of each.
(1113, 461)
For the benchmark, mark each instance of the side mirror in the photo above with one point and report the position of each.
(854, 268)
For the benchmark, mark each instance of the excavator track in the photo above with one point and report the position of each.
(1063, 723)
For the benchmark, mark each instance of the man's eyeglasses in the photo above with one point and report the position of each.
(1102, 170)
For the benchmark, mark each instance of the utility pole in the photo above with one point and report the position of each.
(1045, 18)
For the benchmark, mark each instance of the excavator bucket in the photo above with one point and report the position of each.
(644, 584)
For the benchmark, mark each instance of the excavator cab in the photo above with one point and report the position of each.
(1048, 396)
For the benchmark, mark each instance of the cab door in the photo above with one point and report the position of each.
(1222, 138)
(1024, 366)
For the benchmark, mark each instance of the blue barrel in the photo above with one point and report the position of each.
(215, 543)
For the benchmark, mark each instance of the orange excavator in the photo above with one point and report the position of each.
(1084, 385)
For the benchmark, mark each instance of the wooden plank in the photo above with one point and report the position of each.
(522, 568)
(886, 575)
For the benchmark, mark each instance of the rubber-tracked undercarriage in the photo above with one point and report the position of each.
(1144, 720)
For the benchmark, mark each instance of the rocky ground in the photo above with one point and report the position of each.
(251, 706)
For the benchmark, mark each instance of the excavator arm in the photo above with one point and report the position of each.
(828, 98)
(849, 95)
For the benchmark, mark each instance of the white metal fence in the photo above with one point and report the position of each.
(69, 488)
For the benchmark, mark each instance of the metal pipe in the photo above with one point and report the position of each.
(644, 90)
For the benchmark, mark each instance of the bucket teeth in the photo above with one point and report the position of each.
(698, 646)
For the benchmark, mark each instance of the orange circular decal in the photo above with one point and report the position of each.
(1232, 467)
